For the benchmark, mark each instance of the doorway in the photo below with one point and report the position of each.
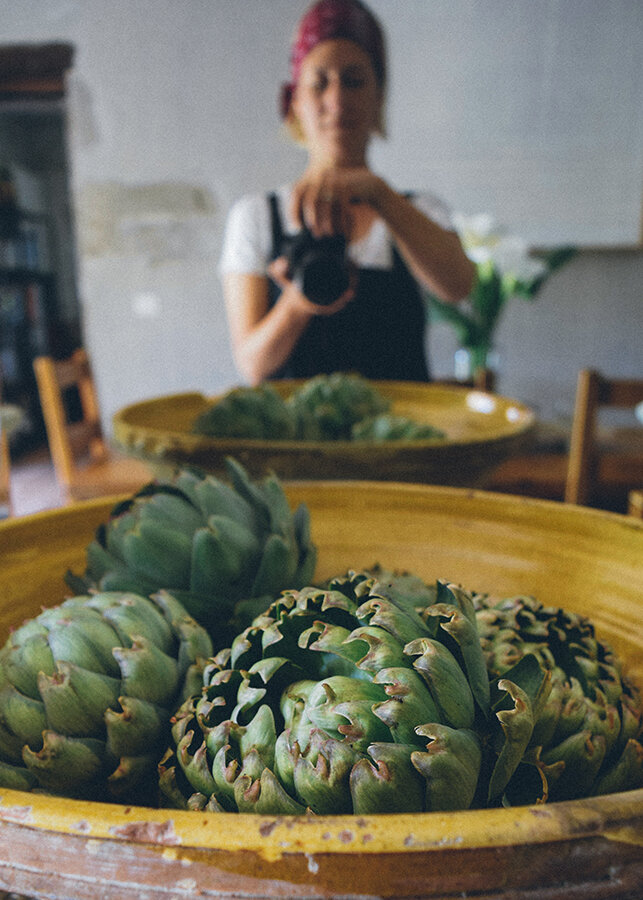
(39, 305)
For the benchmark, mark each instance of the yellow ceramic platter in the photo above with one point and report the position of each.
(482, 429)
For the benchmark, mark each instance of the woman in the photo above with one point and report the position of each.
(397, 244)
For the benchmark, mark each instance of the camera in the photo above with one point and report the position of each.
(318, 266)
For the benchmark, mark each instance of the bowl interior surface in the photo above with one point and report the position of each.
(582, 559)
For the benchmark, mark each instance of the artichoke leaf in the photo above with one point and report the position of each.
(277, 567)
(22, 721)
(75, 700)
(131, 615)
(195, 764)
(517, 725)
(445, 679)
(321, 775)
(464, 632)
(403, 624)
(16, 778)
(387, 782)
(158, 553)
(21, 662)
(583, 754)
(134, 726)
(410, 703)
(450, 766)
(147, 672)
(67, 765)
(624, 773)
(264, 795)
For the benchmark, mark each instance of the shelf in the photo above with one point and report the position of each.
(22, 276)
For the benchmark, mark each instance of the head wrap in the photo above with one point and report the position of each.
(329, 19)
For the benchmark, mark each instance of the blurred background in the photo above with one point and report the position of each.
(127, 129)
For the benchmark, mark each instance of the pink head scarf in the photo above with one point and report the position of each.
(329, 19)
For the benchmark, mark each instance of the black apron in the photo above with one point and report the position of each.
(379, 334)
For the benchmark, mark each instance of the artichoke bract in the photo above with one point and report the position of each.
(327, 407)
(224, 548)
(587, 739)
(387, 427)
(87, 689)
(368, 695)
(256, 413)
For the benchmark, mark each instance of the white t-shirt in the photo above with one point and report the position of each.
(247, 242)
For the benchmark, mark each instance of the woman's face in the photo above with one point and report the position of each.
(337, 102)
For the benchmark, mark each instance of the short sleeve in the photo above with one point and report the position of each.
(246, 239)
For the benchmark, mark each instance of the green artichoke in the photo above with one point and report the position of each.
(370, 695)
(327, 406)
(386, 427)
(248, 412)
(339, 406)
(87, 689)
(587, 739)
(224, 549)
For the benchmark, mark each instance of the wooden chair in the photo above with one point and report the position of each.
(587, 467)
(85, 465)
(5, 493)
(635, 504)
(585, 471)
(5, 467)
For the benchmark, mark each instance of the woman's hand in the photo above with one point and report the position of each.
(322, 199)
(278, 271)
(336, 200)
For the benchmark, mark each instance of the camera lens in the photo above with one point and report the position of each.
(319, 268)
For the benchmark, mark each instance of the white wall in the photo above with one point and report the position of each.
(173, 114)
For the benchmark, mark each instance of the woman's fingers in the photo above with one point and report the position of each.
(320, 205)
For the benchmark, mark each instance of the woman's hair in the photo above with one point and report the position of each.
(325, 20)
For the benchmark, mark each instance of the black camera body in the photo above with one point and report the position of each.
(318, 266)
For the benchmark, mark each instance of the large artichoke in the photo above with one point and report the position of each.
(257, 412)
(587, 739)
(327, 407)
(369, 696)
(87, 690)
(225, 549)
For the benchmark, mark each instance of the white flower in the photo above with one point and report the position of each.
(483, 241)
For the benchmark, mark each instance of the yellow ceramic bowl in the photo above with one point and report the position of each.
(584, 559)
(482, 429)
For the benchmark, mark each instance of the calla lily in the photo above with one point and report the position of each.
(505, 268)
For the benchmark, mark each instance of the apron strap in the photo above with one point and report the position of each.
(275, 226)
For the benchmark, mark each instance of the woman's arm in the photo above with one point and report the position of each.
(322, 199)
(263, 339)
(434, 255)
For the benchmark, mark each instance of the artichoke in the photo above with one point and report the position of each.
(224, 549)
(87, 689)
(587, 739)
(339, 406)
(248, 412)
(327, 406)
(386, 427)
(368, 695)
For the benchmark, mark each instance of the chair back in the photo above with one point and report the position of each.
(593, 391)
(71, 439)
(5, 492)
(635, 503)
(5, 466)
